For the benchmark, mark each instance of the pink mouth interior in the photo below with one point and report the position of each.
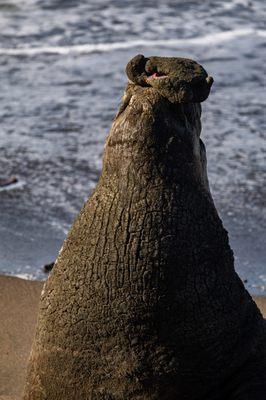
(155, 75)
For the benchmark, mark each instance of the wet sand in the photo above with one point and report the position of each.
(18, 312)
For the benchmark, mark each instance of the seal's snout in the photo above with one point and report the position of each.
(135, 70)
(180, 80)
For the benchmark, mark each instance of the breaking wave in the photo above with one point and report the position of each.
(211, 39)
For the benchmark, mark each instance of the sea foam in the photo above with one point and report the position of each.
(207, 40)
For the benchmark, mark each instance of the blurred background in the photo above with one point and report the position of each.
(62, 77)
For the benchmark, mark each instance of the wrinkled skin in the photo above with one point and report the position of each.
(143, 302)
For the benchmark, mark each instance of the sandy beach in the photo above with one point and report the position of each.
(18, 312)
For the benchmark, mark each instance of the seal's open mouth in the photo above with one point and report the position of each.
(155, 75)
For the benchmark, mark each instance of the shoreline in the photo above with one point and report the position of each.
(19, 299)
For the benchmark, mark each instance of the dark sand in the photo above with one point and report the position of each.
(18, 312)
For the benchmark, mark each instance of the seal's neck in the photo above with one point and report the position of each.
(152, 139)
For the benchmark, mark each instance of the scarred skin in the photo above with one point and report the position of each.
(143, 302)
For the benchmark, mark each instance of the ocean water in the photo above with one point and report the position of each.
(62, 76)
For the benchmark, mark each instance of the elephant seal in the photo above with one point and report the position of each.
(143, 302)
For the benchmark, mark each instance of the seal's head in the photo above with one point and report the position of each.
(180, 80)
(157, 129)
